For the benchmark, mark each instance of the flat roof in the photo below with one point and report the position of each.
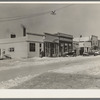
(35, 34)
(50, 34)
(64, 35)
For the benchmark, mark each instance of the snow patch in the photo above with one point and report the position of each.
(11, 83)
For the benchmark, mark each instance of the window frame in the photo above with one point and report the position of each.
(11, 49)
(32, 47)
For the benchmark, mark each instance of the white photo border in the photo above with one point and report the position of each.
(50, 93)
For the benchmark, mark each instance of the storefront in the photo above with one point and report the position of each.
(65, 43)
(57, 44)
(51, 49)
(51, 45)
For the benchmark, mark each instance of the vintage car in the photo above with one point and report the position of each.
(96, 53)
(85, 54)
(66, 54)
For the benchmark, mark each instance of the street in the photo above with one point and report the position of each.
(61, 73)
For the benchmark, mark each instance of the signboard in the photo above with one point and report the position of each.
(85, 44)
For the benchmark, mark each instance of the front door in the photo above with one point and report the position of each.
(81, 50)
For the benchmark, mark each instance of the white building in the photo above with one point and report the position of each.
(27, 46)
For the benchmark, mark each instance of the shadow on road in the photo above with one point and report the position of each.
(61, 81)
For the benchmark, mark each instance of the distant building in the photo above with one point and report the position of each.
(86, 44)
(94, 41)
(99, 44)
(32, 44)
(76, 47)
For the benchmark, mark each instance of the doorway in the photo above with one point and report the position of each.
(81, 50)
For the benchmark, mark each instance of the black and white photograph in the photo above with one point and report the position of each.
(49, 46)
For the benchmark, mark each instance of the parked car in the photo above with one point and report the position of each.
(91, 53)
(65, 54)
(72, 53)
(96, 53)
(85, 54)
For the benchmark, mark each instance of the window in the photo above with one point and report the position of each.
(40, 44)
(66, 47)
(11, 49)
(70, 47)
(32, 47)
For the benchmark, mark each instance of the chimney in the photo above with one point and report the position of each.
(24, 29)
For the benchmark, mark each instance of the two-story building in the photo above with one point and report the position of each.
(22, 47)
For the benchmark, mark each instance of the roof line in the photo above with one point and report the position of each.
(65, 34)
(35, 34)
(50, 34)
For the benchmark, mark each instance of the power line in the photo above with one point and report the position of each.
(21, 17)
(30, 16)
(24, 16)
(64, 7)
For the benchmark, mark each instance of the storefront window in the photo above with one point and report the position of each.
(66, 47)
(70, 47)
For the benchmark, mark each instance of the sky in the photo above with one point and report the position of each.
(76, 19)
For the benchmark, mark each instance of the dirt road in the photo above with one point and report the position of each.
(16, 76)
